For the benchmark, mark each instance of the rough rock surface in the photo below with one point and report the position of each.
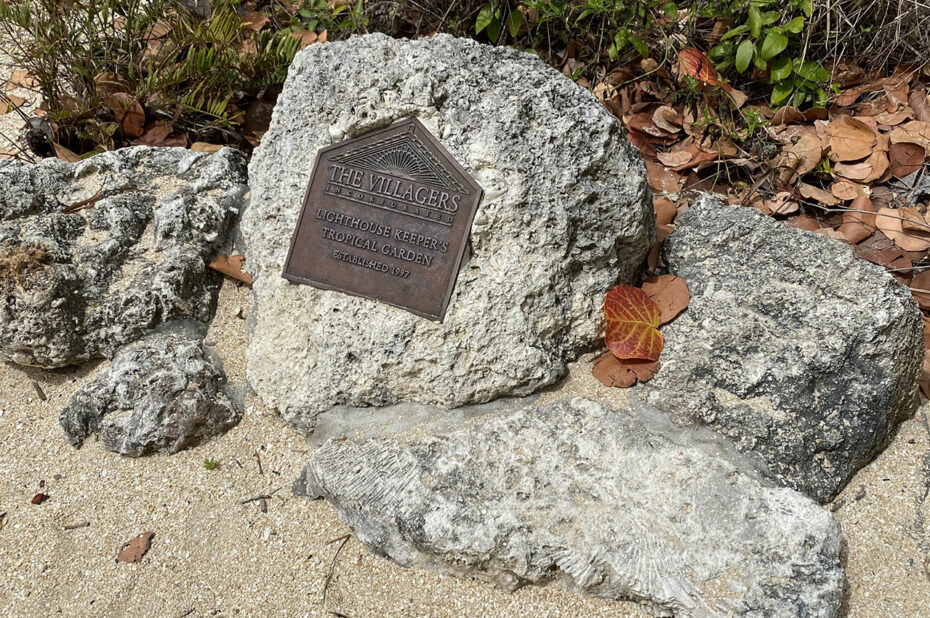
(565, 214)
(80, 284)
(162, 393)
(618, 504)
(792, 347)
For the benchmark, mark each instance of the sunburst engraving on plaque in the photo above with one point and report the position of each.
(386, 216)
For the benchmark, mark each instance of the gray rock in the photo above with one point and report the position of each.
(161, 393)
(792, 347)
(75, 286)
(614, 503)
(565, 215)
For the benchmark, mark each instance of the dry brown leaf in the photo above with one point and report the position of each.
(920, 289)
(231, 266)
(801, 157)
(611, 371)
(878, 161)
(848, 139)
(21, 78)
(155, 134)
(670, 293)
(254, 20)
(129, 114)
(804, 222)
(853, 171)
(654, 259)
(894, 118)
(819, 195)
(134, 550)
(919, 101)
(667, 119)
(674, 159)
(64, 154)
(906, 158)
(663, 179)
(306, 37)
(914, 221)
(665, 210)
(780, 204)
(913, 132)
(205, 147)
(857, 226)
(890, 223)
(13, 102)
(847, 189)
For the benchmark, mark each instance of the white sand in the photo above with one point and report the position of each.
(212, 556)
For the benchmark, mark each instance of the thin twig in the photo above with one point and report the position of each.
(260, 497)
(83, 524)
(332, 564)
(259, 460)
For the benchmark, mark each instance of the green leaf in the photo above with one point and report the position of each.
(770, 17)
(744, 55)
(671, 10)
(810, 71)
(485, 17)
(639, 46)
(734, 32)
(514, 23)
(781, 91)
(755, 21)
(795, 26)
(718, 53)
(808, 7)
(494, 30)
(759, 62)
(773, 45)
(781, 70)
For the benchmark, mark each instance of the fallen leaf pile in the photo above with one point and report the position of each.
(633, 317)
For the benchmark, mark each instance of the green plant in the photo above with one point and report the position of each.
(211, 464)
(772, 41)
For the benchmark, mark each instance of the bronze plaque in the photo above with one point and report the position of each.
(386, 216)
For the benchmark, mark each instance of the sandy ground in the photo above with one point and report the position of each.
(213, 556)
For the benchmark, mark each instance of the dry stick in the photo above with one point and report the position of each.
(259, 460)
(867, 212)
(260, 497)
(83, 524)
(332, 565)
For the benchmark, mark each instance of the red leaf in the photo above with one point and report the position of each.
(693, 63)
(632, 324)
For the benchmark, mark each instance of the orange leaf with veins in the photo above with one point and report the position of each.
(632, 324)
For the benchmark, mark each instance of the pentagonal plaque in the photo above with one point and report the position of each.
(386, 216)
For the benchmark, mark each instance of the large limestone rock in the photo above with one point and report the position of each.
(792, 347)
(619, 504)
(129, 253)
(565, 215)
(161, 393)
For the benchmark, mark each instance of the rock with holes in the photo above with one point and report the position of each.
(616, 503)
(565, 215)
(93, 254)
(792, 347)
(161, 393)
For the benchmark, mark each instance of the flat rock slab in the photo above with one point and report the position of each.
(619, 504)
(163, 393)
(93, 254)
(792, 347)
(565, 215)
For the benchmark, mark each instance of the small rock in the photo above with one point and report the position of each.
(792, 347)
(620, 504)
(162, 393)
